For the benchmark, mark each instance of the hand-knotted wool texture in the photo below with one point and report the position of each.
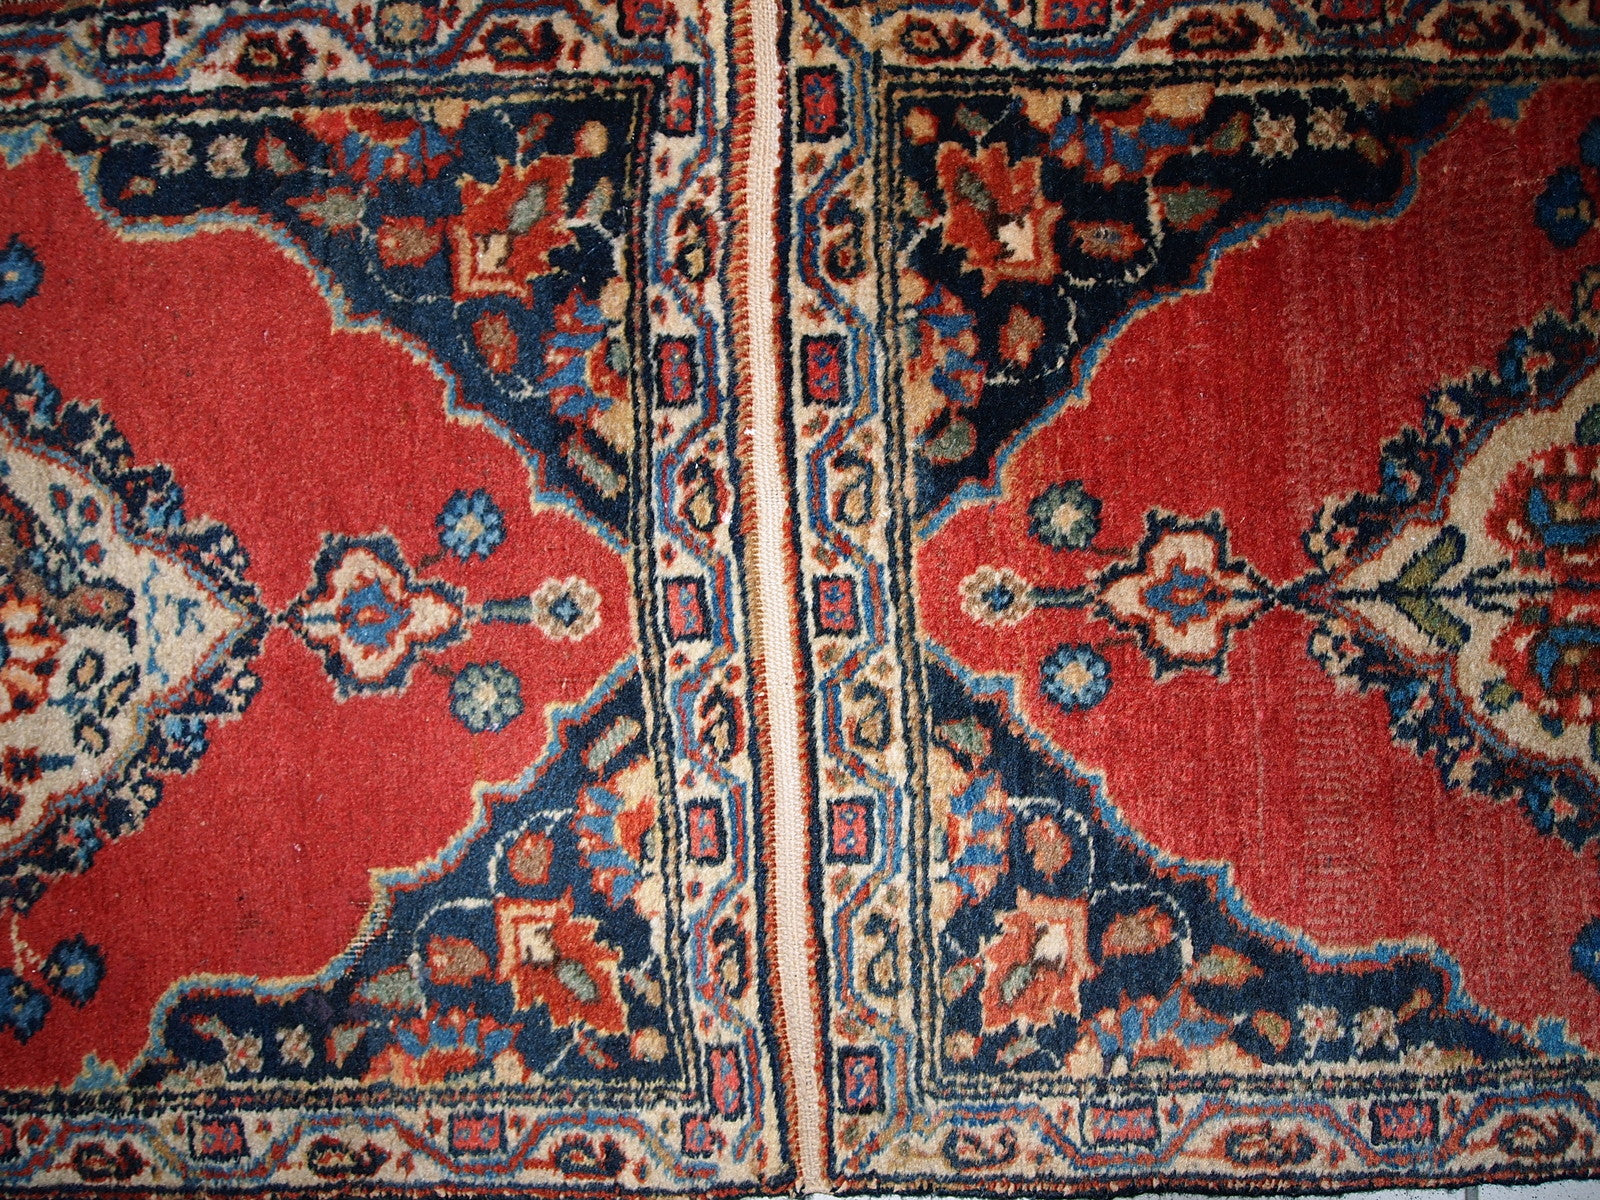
(1195, 447)
(378, 800)
(684, 597)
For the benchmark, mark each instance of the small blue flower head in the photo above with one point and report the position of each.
(21, 273)
(74, 969)
(1076, 678)
(471, 525)
(485, 697)
(22, 1006)
(1065, 516)
(1564, 210)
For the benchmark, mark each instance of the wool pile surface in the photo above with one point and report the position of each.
(725, 597)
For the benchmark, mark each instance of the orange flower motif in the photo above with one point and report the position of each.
(444, 1043)
(507, 229)
(613, 822)
(27, 653)
(374, 144)
(455, 961)
(551, 957)
(1142, 932)
(997, 214)
(580, 361)
(1035, 966)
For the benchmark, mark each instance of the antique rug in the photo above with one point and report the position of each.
(732, 597)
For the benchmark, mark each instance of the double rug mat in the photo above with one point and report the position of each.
(694, 597)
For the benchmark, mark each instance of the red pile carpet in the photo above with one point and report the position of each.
(713, 597)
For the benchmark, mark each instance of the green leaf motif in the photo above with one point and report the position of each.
(1411, 591)
(1589, 426)
(1430, 563)
(955, 442)
(1016, 982)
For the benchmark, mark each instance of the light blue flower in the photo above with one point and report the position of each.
(1564, 210)
(21, 273)
(471, 525)
(486, 697)
(74, 969)
(1065, 516)
(22, 1006)
(1076, 678)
